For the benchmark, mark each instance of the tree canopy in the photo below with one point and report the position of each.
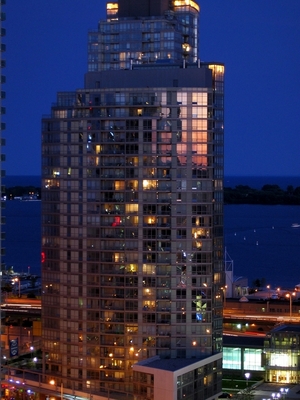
(268, 194)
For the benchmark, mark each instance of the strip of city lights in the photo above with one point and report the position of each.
(19, 305)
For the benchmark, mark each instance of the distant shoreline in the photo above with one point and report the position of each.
(268, 195)
(22, 180)
(282, 192)
(257, 182)
(232, 181)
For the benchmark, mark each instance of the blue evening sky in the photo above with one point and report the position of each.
(258, 40)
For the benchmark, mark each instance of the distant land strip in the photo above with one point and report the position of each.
(10, 193)
(268, 195)
(241, 194)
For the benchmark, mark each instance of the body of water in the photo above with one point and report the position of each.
(23, 236)
(260, 239)
(263, 244)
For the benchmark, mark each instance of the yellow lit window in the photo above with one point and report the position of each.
(184, 3)
(149, 184)
(131, 208)
(119, 185)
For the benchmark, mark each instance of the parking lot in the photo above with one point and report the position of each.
(272, 391)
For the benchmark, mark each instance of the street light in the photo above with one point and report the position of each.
(52, 382)
(247, 376)
(275, 396)
(18, 280)
(284, 392)
(31, 349)
(290, 294)
(224, 295)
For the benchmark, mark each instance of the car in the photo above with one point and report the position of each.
(225, 395)
(274, 297)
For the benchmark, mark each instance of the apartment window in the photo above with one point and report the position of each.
(180, 293)
(181, 221)
(120, 97)
(131, 317)
(147, 136)
(147, 124)
(181, 318)
(181, 233)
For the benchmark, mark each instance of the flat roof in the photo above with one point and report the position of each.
(160, 76)
(286, 328)
(252, 341)
(171, 364)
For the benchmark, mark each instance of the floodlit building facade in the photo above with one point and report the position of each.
(132, 212)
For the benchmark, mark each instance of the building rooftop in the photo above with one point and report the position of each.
(170, 364)
(170, 75)
(286, 328)
(251, 341)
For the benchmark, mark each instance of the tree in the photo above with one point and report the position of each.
(258, 283)
(7, 287)
(246, 394)
(33, 280)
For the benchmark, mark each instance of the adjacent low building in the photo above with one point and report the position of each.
(281, 355)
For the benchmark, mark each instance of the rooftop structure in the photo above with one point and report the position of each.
(139, 32)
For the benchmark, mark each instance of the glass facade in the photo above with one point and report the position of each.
(132, 222)
(240, 358)
(277, 356)
(121, 42)
(232, 358)
(282, 355)
(2, 123)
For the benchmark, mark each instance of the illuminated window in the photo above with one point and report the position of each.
(232, 358)
(252, 360)
(150, 220)
(131, 208)
(218, 71)
(186, 3)
(149, 184)
(199, 124)
(182, 98)
(111, 10)
(149, 269)
(119, 185)
(131, 268)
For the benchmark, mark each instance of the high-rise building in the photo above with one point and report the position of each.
(2, 157)
(2, 111)
(132, 212)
